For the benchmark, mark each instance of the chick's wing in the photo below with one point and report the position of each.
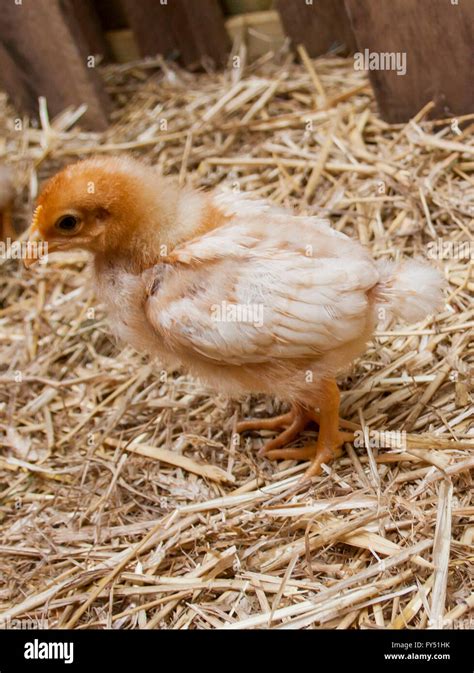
(263, 289)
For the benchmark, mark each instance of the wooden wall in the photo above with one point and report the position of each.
(190, 29)
(321, 26)
(46, 46)
(435, 37)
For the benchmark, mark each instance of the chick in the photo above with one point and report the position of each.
(246, 296)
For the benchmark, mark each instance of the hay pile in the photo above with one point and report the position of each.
(126, 500)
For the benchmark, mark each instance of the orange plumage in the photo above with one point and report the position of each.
(247, 296)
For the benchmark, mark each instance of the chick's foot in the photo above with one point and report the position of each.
(330, 438)
(318, 453)
(295, 421)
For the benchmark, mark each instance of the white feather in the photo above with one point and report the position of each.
(411, 289)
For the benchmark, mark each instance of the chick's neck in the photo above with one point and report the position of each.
(164, 217)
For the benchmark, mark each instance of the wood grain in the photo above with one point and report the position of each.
(437, 38)
(190, 30)
(88, 20)
(320, 26)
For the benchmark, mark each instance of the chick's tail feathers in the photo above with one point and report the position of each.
(409, 289)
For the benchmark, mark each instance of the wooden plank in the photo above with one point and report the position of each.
(319, 26)
(150, 22)
(15, 80)
(43, 53)
(190, 29)
(87, 18)
(437, 43)
(200, 30)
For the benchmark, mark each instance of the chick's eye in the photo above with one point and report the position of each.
(67, 223)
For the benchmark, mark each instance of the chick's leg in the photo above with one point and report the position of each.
(330, 439)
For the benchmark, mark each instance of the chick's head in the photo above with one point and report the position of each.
(94, 205)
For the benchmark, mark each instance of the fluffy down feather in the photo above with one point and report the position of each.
(410, 289)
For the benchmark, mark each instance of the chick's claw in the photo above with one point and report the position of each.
(322, 455)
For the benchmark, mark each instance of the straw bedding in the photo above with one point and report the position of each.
(127, 501)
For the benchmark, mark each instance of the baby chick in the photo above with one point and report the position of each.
(247, 296)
